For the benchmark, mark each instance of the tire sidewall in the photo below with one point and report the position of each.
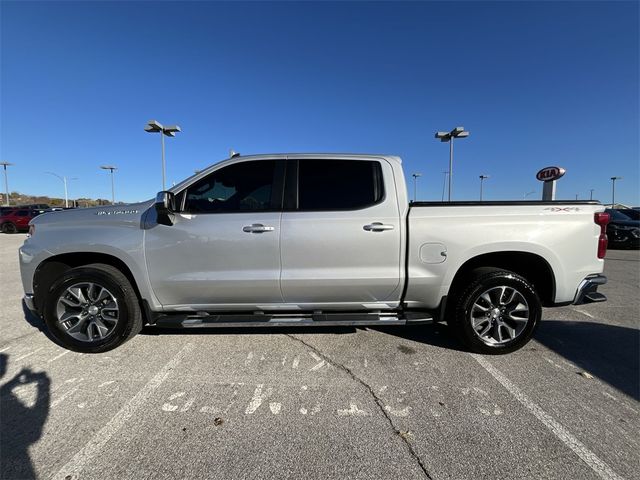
(9, 228)
(80, 275)
(496, 279)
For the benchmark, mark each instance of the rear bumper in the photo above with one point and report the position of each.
(588, 290)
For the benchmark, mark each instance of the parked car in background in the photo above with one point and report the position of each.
(17, 219)
(623, 231)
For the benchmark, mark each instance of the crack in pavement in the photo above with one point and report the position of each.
(377, 400)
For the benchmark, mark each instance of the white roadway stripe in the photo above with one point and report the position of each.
(94, 446)
(590, 458)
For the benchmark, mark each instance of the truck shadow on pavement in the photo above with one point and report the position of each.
(37, 322)
(609, 352)
(21, 421)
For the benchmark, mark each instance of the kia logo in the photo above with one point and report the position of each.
(549, 174)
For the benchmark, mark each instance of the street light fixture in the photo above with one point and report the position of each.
(524, 197)
(415, 185)
(482, 179)
(6, 182)
(64, 180)
(153, 126)
(111, 168)
(458, 132)
(613, 190)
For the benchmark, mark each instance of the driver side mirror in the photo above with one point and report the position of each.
(165, 207)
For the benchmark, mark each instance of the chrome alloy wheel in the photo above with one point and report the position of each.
(87, 312)
(499, 315)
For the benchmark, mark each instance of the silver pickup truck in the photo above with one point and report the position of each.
(310, 239)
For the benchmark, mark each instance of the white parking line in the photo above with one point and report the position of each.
(590, 458)
(59, 356)
(28, 354)
(62, 397)
(584, 313)
(93, 447)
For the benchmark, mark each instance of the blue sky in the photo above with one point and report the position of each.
(536, 84)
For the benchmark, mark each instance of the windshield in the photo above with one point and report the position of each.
(631, 213)
(617, 215)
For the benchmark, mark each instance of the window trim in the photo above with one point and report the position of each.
(277, 192)
(292, 185)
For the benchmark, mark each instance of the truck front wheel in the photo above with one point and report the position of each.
(92, 309)
(497, 313)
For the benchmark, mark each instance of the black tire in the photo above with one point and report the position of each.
(483, 280)
(9, 227)
(129, 321)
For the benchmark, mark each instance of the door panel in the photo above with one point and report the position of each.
(210, 259)
(342, 256)
(223, 251)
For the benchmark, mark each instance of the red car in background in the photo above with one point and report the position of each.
(17, 220)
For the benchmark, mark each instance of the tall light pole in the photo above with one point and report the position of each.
(111, 168)
(415, 185)
(482, 179)
(64, 180)
(591, 193)
(613, 190)
(458, 132)
(444, 184)
(6, 182)
(153, 126)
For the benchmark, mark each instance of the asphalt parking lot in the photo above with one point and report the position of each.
(331, 403)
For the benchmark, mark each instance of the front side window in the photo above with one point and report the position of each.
(339, 184)
(241, 187)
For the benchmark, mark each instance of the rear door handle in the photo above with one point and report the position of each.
(257, 228)
(377, 227)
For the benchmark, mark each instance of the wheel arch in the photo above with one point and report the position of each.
(53, 267)
(534, 268)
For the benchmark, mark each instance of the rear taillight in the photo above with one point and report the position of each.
(602, 219)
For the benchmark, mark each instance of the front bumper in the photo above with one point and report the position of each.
(588, 290)
(30, 304)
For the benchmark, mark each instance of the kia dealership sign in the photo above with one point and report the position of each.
(549, 174)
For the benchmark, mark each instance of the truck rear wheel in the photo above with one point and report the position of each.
(92, 309)
(497, 313)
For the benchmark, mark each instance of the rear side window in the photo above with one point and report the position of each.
(339, 184)
(241, 187)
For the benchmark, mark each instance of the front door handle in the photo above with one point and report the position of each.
(377, 227)
(257, 228)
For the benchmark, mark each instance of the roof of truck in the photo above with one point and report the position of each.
(318, 155)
